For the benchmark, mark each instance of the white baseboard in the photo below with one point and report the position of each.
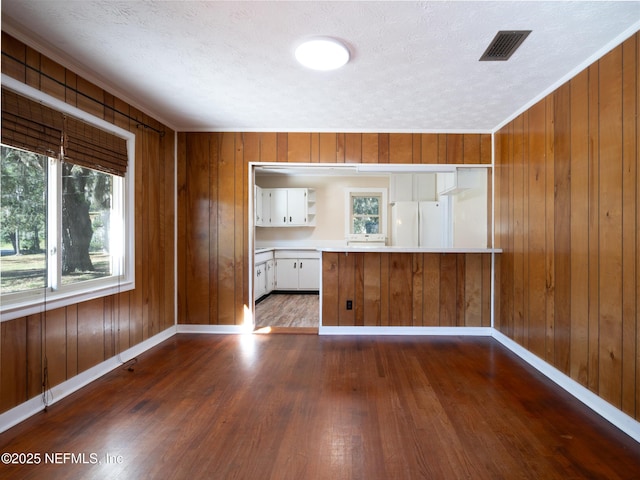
(603, 408)
(417, 331)
(29, 408)
(213, 329)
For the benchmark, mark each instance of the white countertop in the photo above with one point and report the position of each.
(274, 249)
(386, 249)
(391, 249)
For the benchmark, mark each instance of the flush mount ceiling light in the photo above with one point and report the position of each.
(322, 54)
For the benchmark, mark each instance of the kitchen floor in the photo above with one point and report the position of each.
(288, 310)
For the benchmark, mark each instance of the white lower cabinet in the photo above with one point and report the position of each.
(271, 275)
(297, 270)
(264, 270)
(309, 274)
(287, 274)
(260, 280)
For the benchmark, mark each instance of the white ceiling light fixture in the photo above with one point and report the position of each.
(322, 53)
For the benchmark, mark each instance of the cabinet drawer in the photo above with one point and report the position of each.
(263, 257)
(297, 254)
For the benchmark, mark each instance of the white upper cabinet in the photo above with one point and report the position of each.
(265, 195)
(461, 180)
(279, 201)
(424, 187)
(297, 206)
(258, 207)
(288, 207)
(401, 187)
(412, 187)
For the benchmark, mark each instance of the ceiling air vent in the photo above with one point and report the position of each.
(504, 44)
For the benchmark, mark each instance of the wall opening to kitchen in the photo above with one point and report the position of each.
(297, 210)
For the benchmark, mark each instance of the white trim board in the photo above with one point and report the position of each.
(603, 408)
(29, 408)
(423, 331)
(213, 329)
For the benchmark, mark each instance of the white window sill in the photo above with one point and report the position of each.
(41, 301)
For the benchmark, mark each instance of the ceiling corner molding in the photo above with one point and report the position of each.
(36, 42)
(218, 129)
(632, 30)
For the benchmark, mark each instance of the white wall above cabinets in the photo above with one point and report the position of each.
(285, 207)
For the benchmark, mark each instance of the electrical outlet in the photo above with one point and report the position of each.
(349, 304)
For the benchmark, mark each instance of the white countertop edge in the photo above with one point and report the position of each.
(389, 249)
(273, 249)
(409, 250)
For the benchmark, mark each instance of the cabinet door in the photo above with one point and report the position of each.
(424, 188)
(257, 206)
(266, 206)
(287, 274)
(401, 187)
(278, 207)
(445, 181)
(260, 279)
(309, 274)
(271, 275)
(297, 206)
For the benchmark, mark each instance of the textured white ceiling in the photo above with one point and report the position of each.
(210, 65)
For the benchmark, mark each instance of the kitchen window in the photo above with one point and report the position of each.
(66, 207)
(366, 212)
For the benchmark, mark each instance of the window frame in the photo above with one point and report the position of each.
(21, 304)
(348, 213)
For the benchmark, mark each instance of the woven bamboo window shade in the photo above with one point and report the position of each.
(91, 147)
(32, 126)
(29, 125)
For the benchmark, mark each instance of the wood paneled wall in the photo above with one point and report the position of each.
(212, 200)
(69, 340)
(406, 289)
(567, 216)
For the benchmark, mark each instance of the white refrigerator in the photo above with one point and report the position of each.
(421, 224)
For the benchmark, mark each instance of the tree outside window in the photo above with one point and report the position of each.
(66, 205)
(23, 211)
(365, 213)
(27, 220)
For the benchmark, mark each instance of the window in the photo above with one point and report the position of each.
(23, 214)
(366, 212)
(65, 219)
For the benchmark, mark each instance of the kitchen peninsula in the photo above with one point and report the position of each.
(406, 287)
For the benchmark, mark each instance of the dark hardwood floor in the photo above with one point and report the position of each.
(316, 407)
